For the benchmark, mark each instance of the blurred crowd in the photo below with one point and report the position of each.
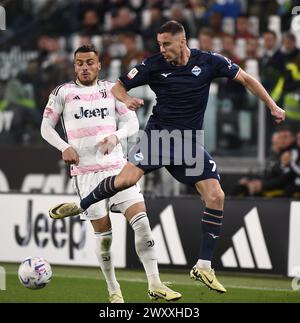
(37, 49)
(281, 177)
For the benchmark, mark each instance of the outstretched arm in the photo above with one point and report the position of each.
(120, 93)
(256, 88)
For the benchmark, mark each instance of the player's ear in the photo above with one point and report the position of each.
(182, 41)
(99, 66)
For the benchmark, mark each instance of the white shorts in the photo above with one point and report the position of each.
(85, 183)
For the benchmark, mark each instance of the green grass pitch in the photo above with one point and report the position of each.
(86, 285)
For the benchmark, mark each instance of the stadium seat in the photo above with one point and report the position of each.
(193, 43)
(251, 67)
(254, 25)
(241, 48)
(275, 25)
(228, 25)
(217, 44)
(114, 70)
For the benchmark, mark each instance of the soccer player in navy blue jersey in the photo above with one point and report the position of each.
(180, 78)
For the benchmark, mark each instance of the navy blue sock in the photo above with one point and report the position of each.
(105, 189)
(211, 229)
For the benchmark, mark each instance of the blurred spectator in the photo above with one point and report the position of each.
(252, 50)
(293, 159)
(228, 44)
(277, 175)
(25, 117)
(287, 92)
(289, 48)
(90, 24)
(54, 63)
(31, 80)
(272, 61)
(136, 5)
(133, 55)
(205, 38)
(177, 13)
(198, 10)
(149, 33)
(230, 96)
(242, 28)
(125, 21)
(215, 23)
(227, 8)
(50, 51)
(271, 67)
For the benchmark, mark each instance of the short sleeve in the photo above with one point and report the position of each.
(223, 66)
(137, 76)
(54, 106)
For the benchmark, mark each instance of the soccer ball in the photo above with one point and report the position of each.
(34, 273)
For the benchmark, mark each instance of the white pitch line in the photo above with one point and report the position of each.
(192, 283)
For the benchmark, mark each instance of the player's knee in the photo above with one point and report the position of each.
(126, 182)
(216, 198)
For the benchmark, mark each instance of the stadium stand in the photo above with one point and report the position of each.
(36, 55)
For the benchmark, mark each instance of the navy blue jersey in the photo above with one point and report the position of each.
(181, 91)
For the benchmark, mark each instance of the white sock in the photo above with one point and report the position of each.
(144, 246)
(203, 264)
(105, 259)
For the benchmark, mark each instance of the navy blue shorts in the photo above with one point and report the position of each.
(189, 164)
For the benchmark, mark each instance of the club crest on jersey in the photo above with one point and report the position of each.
(132, 73)
(196, 70)
(139, 156)
(104, 93)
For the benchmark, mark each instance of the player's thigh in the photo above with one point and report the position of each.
(129, 175)
(128, 202)
(192, 174)
(83, 185)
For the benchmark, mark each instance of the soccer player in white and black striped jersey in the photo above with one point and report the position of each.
(93, 150)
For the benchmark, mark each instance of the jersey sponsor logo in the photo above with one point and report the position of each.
(103, 112)
(165, 74)
(77, 97)
(132, 73)
(196, 70)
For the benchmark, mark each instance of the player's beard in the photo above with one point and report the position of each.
(172, 58)
(87, 82)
